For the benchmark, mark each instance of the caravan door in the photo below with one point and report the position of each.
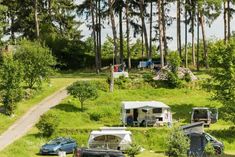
(214, 115)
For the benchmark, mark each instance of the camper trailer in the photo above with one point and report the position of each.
(116, 138)
(145, 113)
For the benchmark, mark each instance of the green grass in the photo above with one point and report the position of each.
(78, 124)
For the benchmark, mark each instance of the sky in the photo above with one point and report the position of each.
(212, 33)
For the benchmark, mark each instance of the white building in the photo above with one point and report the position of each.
(145, 113)
(116, 138)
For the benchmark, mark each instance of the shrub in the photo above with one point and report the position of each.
(174, 61)
(122, 82)
(177, 144)
(95, 116)
(209, 150)
(133, 150)
(187, 77)
(47, 124)
(101, 85)
(173, 81)
(11, 77)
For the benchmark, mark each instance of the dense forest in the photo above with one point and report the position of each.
(56, 23)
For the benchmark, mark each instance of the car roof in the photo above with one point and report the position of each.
(200, 108)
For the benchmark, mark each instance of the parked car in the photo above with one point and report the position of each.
(54, 146)
(204, 114)
(199, 139)
(85, 152)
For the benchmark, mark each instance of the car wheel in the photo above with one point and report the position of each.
(218, 151)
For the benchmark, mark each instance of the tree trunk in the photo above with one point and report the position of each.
(99, 29)
(117, 57)
(150, 31)
(193, 23)
(94, 36)
(164, 29)
(111, 85)
(97, 37)
(229, 18)
(186, 37)
(160, 32)
(204, 40)
(144, 30)
(225, 21)
(12, 29)
(178, 19)
(128, 35)
(198, 40)
(121, 33)
(36, 18)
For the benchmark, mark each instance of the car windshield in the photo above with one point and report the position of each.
(200, 113)
(55, 141)
(210, 137)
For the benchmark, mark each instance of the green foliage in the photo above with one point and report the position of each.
(82, 90)
(174, 61)
(37, 60)
(209, 150)
(11, 76)
(3, 10)
(177, 144)
(47, 124)
(222, 81)
(133, 150)
(173, 80)
(187, 77)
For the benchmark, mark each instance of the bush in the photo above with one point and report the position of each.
(177, 144)
(209, 150)
(174, 61)
(187, 77)
(173, 81)
(47, 124)
(95, 116)
(122, 82)
(133, 150)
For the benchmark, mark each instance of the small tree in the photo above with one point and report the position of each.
(82, 90)
(11, 77)
(133, 150)
(47, 124)
(174, 61)
(177, 144)
(37, 60)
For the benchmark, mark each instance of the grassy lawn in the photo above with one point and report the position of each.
(78, 124)
(58, 81)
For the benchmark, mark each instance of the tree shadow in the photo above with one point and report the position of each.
(67, 107)
(2, 110)
(182, 112)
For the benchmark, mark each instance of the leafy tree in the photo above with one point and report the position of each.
(177, 143)
(3, 10)
(83, 90)
(37, 60)
(222, 82)
(174, 61)
(11, 76)
(47, 124)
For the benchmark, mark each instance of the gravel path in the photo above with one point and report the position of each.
(26, 122)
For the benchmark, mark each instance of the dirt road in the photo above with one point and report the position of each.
(26, 122)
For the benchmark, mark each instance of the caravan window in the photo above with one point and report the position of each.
(128, 111)
(157, 110)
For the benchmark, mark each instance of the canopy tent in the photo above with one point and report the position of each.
(110, 138)
(143, 104)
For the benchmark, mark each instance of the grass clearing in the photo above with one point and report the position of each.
(78, 124)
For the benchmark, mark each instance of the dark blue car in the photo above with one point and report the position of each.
(54, 146)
